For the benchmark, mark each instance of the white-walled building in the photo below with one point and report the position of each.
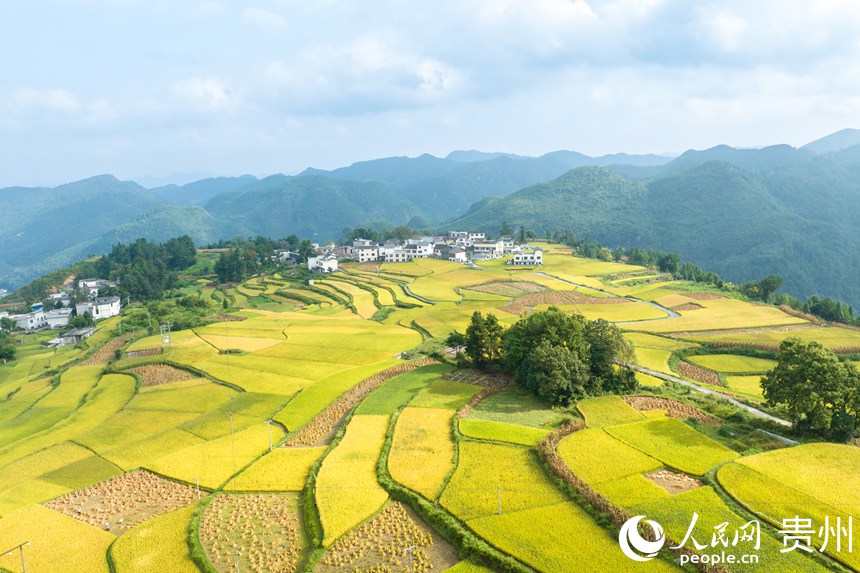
(484, 250)
(362, 243)
(533, 258)
(90, 287)
(475, 236)
(62, 297)
(100, 308)
(58, 318)
(366, 254)
(30, 321)
(322, 265)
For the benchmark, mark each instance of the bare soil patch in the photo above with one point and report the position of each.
(527, 302)
(672, 482)
(688, 306)
(478, 378)
(379, 545)
(511, 289)
(120, 503)
(673, 408)
(260, 531)
(702, 295)
(145, 352)
(106, 354)
(157, 374)
(697, 373)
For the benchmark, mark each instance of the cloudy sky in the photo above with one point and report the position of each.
(153, 87)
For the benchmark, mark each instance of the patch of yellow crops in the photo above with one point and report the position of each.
(630, 490)
(559, 537)
(422, 451)
(284, 469)
(149, 546)
(675, 513)
(595, 456)
(57, 542)
(347, 491)
(483, 468)
(771, 499)
(607, 411)
(674, 443)
(721, 314)
(215, 461)
(731, 363)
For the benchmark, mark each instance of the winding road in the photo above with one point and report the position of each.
(668, 377)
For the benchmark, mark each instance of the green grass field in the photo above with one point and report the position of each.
(501, 432)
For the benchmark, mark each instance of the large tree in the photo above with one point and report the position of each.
(483, 339)
(557, 374)
(820, 394)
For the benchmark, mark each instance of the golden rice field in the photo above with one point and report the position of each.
(79, 428)
(422, 451)
(485, 470)
(607, 411)
(347, 491)
(147, 547)
(721, 314)
(282, 469)
(730, 363)
(675, 514)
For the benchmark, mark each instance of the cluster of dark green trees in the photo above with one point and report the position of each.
(248, 257)
(560, 357)
(7, 350)
(145, 269)
(820, 394)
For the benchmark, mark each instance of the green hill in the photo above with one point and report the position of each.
(798, 221)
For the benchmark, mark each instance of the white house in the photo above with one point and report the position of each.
(474, 236)
(30, 321)
(58, 318)
(62, 297)
(362, 243)
(90, 287)
(100, 308)
(484, 250)
(454, 235)
(366, 254)
(322, 265)
(457, 255)
(533, 258)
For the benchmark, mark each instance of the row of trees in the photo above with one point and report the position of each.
(560, 357)
(820, 394)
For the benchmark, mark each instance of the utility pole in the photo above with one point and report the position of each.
(409, 550)
(269, 427)
(20, 547)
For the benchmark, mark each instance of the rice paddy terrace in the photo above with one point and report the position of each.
(308, 431)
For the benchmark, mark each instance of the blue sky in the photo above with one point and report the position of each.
(152, 87)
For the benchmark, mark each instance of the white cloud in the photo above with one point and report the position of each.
(207, 93)
(28, 99)
(264, 19)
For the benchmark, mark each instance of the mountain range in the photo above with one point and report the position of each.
(742, 213)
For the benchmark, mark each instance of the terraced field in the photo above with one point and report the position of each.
(216, 415)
